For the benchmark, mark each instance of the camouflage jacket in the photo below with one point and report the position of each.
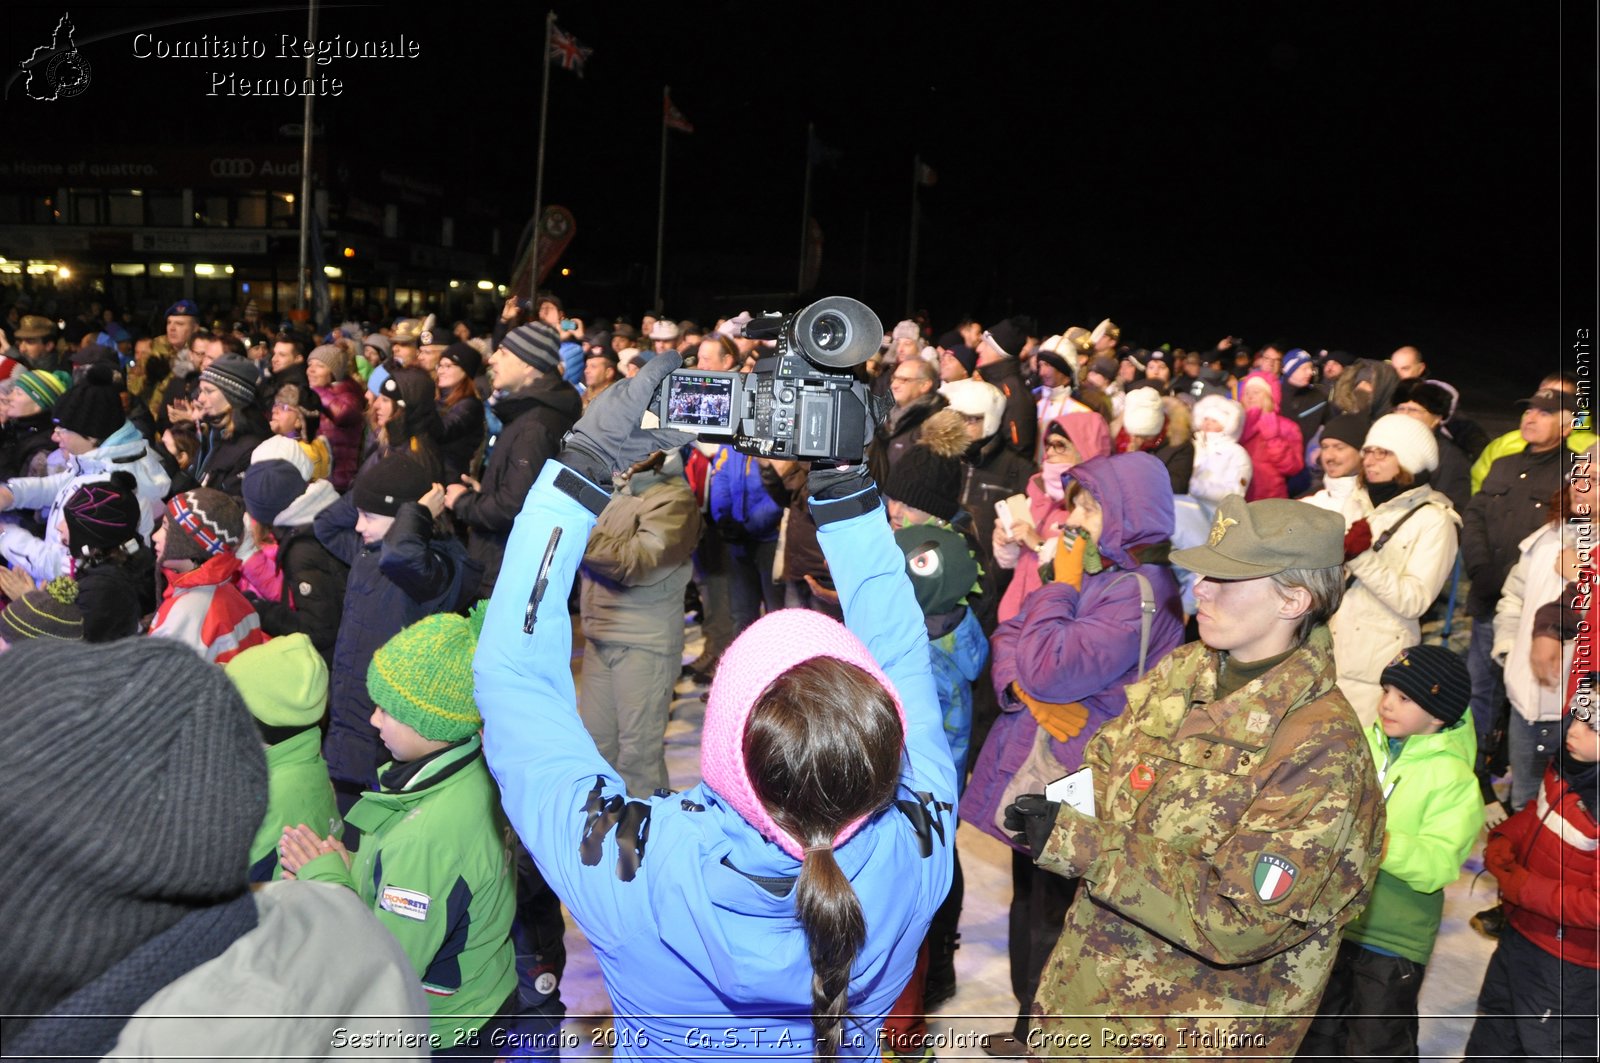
(1234, 839)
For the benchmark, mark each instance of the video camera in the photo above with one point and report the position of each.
(802, 402)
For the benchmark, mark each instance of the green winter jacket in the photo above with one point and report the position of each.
(434, 865)
(298, 791)
(1434, 813)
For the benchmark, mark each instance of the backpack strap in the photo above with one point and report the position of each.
(1147, 611)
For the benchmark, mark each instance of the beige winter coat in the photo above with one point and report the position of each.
(1393, 587)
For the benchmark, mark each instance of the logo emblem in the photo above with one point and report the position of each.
(1141, 777)
(406, 903)
(57, 71)
(1274, 878)
(1219, 528)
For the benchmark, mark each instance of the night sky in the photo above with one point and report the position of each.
(1337, 175)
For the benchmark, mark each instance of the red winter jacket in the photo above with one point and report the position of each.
(205, 611)
(1552, 893)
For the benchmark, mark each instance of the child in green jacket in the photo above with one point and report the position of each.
(1425, 748)
(431, 848)
(285, 684)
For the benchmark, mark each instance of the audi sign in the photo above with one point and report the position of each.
(233, 168)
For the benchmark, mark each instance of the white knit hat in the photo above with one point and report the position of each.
(1141, 412)
(282, 448)
(1408, 439)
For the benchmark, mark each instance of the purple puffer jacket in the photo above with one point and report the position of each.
(1082, 645)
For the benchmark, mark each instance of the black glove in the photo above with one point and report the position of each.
(1033, 816)
(608, 438)
(829, 483)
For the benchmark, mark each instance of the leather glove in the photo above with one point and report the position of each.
(608, 438)
(1033, 817)
(1358, 539)
(826, 483)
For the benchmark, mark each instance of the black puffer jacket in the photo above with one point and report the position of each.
(222, 462)
(407, 576)
(460, 436)
(534, 420)
(312, 599)
(1511, 505)
(1019, 428)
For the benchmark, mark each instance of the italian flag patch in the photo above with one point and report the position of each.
(1274, 877)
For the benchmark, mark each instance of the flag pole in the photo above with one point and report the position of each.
(805, 207)
(661, 206)
(302, 280)
(916, 215)
(538, 170)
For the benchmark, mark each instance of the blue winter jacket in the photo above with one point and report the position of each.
(1072, 645)
(688, 908)
(739, 504)
(957, 657)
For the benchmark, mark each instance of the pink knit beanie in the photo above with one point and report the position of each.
(767, 649)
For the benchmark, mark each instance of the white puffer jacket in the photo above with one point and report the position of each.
(1221, 465)
(1393, 587)
(124, 449)
(1534, 580)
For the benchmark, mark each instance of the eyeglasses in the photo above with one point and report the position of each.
(898, 379)
(1376, 452)
(1058, 446)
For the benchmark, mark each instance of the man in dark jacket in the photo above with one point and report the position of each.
(997, 365)
(536, 406)
(912, 386)
(1513, 503)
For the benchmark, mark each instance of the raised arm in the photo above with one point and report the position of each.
(566, 803)
(881, 609)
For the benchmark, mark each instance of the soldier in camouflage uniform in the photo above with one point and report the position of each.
(1238, 820)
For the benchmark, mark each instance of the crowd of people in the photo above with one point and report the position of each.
(313, 596)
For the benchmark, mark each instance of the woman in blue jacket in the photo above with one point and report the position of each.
(776, 907)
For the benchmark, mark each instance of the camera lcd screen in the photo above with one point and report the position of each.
(700, 400)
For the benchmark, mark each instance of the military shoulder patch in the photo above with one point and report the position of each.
(1274, 877)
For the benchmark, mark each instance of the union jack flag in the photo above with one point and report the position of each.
(565, 49)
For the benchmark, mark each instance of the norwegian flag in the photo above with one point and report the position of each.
(671, 116)
(565, 49)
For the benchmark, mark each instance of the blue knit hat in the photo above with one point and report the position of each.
(1294, 360)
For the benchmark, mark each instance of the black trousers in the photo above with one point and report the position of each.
(1039, 902)
(1534, 1005)
(1369, 1010)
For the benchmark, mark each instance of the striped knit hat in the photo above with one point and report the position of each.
(204, 523)
(51, 612)
(537, 344)
(236, 377)
(423, 676)
(43, 388)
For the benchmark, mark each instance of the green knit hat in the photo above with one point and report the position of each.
(284, 681)
(423, 676)
(43, 388)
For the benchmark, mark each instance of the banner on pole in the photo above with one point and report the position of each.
(673, 117)
(556, 230)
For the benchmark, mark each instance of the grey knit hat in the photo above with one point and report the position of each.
(236, 377)
(135, 787)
